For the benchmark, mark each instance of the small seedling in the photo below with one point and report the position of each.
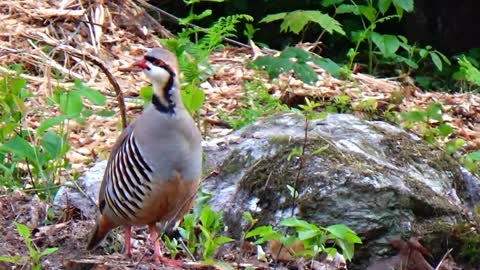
(34, 254)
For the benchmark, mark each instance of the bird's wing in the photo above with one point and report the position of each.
(120, 141)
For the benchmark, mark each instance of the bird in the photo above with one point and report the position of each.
(154, 168)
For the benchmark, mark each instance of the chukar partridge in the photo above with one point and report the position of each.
(154, 167)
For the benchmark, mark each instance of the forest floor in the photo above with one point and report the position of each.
(73, 31)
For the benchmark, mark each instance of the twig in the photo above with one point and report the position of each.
(79, 189)
(443, 258)
(177, 20)
(116, 86)
(300, 167)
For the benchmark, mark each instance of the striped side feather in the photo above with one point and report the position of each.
(128, 179)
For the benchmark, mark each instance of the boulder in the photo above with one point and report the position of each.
(372, 176)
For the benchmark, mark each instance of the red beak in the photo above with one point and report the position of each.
(142, 63)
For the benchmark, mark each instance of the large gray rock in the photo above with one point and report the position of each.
(372, 176)
(83, 195)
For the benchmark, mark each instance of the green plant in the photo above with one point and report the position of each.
(12, 111)
(192, 56)
(298, 20)
(429, 122)
(43, 151)
(34, 254)
(315, 239)
(430, 125)
(296, 60)
(256, 102)
(469, 71)
(201, 230)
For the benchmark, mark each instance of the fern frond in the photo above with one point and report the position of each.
(223, 28)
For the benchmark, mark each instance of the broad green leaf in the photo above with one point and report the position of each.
(71, 103)
(296, 21)
(17, 85)
(415, 116)
(406, 5)
(259, 231)
(273, 17)
(297, 223)
(7, 128)
(453, 145)
(345, 8)
(320, 150)
(198, 96)
(327, 64)
(436, 60)
(369, 12)
(366, 11)
(471, 73)
(267, 237)
(308, 234)
(327, 3)
(325, 21)
(288, 241)
(10, 259)
(52, 144)
(405, 60)
(146, 93)
(20, 147)
(48, 251)
(91, 94)
(248, 217)
(445, 130)
(23, 231)
(192, 16)
(305, 73)
(474, 156)
(348, 249)
(434, 111)
(292, 191)
(207, 217)
(341, 231)
(423, 53)
(387, 44)
(383, 5)
(192, 98)
(292, 52)
(222, 240)
(273, 65)
(50, 122)
(444, 58)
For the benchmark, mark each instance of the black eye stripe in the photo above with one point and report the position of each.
(150, 58)
(155, 61)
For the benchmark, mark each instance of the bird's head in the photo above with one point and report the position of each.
(161, 68)
(159, 65)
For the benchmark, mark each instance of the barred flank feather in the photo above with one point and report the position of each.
(128, 179)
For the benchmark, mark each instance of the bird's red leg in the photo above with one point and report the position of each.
(128, 243)
(157, 254)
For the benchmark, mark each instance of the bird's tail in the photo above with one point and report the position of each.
(102, 228)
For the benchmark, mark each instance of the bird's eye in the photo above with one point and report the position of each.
(155, 61)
